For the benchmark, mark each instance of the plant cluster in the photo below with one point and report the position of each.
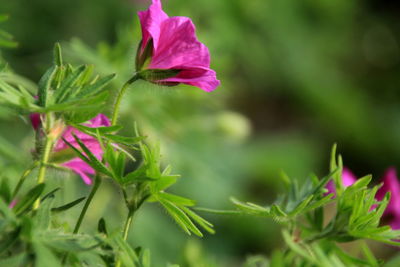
(72, 135)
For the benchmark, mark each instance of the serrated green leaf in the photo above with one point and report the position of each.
(199, 220)
(27, 201)
(44, 86)
(180, 217)
(95, 88)
(57, 55)
(66, 87)
(42, 219)
(177, 200)
(123, 139)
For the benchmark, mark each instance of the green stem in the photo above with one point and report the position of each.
(125, 231)
(43, 164)
(121, 93)
(128, 224)
(97, 182)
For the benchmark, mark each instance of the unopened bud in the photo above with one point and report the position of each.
(56, 130)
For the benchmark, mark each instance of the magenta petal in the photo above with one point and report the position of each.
(81, 168)
(99, 121)
(390, 184)
(395, 223)
(179, 46)
(348, 177)
(330, 186)
(35, 120)
(150, 21)
(207, 80)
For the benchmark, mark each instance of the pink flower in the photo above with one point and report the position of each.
(76, 164)
(391, 184)
(348, 178)
(172, 45)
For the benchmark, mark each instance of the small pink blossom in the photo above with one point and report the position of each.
(76, 164)
(35, 120)
(348, 178)
(175, 47)
(391, 184)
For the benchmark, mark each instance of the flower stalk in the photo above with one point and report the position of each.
(43, 164)
(120, 95)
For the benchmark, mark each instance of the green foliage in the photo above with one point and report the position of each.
(311, 239)
(66, 90)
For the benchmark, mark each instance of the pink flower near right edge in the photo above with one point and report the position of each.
(175, 47)
(391, 184)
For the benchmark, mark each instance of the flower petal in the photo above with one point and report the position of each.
(205, 79)
(390, 184)
(81, 168)
(179, 47)
(150, 21)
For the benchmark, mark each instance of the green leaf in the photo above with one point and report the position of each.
(44, 256)
(101, 130)
(302, 205)
(57, 55)
(123, 139)
(50, 194)
(97, 87)
(127, 254)
(66, 87)
(44, 86)
(199, 220)
(5, 190)
(177, 200)
(70, 242)
(137, 176)
(27, 201)
(68, 205)
(181, 218)
(297, 248)
(42, 219)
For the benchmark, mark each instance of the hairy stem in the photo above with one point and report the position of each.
(43, 164)
(121, 93)
(128, 224)
(97, 182)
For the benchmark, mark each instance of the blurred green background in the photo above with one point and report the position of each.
(297, 76)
